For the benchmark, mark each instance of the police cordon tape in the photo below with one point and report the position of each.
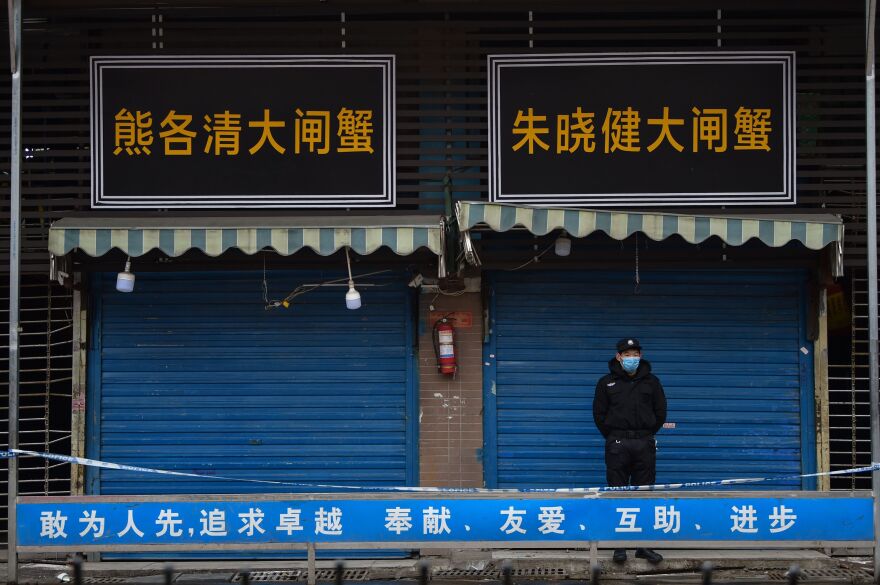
(585, 490)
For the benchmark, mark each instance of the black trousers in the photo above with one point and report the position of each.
(630, 461)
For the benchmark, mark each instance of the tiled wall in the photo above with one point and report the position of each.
(450, 408)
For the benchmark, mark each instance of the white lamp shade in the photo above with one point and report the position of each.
(563, 246)
(352, 299)
(125, 282)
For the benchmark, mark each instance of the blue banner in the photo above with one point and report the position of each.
(64, 524)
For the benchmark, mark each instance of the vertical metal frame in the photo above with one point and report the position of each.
(490, 398)
(14, 279)
(93, 385)
(822, 391)
(412, 390)
(871, 201)
(79, 364)
(806, 375)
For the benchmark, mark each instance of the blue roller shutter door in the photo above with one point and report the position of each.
(727, 346)
(191, 373)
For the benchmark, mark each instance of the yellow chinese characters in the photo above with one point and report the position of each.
(355, 130)
(666, 125)
(710, 127)
(312, 128)
(752, 129)
(313, 132)
(622, 131)
(224, 133)
(525, 126)
(133, 133)
(178, 140)
(266, 126)
(575, 132)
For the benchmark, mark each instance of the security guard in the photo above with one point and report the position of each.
(629, 408)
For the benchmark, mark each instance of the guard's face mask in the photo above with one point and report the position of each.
(630, 364)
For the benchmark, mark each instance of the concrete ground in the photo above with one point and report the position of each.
(456, 567)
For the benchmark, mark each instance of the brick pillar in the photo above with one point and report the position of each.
(450, 408)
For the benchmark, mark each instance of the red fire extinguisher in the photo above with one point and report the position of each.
(444, 346)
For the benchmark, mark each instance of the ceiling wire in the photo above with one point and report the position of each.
(638, 278)
(534, 259)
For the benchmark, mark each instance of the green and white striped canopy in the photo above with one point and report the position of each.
(214, 236)
(814, 232)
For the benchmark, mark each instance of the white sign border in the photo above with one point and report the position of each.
(387, 198)
(788, 196)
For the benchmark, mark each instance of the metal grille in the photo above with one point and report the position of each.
(841, 573)
(493, 572)
(347, 575)
(302, 575)
(849, 418)
(45, 388)
(542, 572)
(487, 573)
(259, 576)
(848, 575)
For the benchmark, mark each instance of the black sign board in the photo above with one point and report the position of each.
(642, 129)
(238, 132)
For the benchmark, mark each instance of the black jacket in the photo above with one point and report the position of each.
(629, 403)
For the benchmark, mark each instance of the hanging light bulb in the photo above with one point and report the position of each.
(563, 245)
(352, 297)
(125, 279)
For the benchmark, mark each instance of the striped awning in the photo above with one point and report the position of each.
(214, 236)
(814, 232)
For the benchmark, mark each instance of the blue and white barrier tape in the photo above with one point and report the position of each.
(586, 490)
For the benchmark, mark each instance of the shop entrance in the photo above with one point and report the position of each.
(729, 346)
(192, 373)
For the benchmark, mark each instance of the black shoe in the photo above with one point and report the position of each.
(619, 555)
(649, 555)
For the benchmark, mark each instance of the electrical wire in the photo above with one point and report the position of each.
(534, 259)
(638, 278)
(265, 285)
(304, 288)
